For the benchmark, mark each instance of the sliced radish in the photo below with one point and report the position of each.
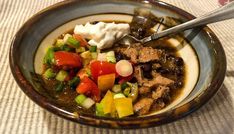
(124, 68)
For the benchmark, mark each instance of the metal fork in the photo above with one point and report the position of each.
(220, 14)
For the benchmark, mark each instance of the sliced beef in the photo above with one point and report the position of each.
(131, 52)
(161, 92)
(144, 90)
(147, 54)
(157, 105)
(138, 74)
(159, 80)
(139, 54)
(142, 107)
(156, 66)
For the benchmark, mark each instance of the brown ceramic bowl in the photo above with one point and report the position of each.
(43, 27)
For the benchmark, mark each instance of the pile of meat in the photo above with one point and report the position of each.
(154, 88)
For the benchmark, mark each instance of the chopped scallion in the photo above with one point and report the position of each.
(73, 42)
(93, 48)
(124, 85)
(49, 73)
(110, 56)
(99, 109)
(94, 55)
(59, 87)
(49, 56)
(87, 103)
(80, 99)
(127, 91)
(116, 88)
(119, 95)
(74, 82)
(65, 48)
(80, 50)
(59, 42)
(61, 75)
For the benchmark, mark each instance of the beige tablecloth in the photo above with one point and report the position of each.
(18, 114)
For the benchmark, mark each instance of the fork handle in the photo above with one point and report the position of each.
(223, 13)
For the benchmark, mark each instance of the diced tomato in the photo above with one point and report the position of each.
(89, 88)
(100, 68)
(125, 79)
(82, 41)
(63, 58)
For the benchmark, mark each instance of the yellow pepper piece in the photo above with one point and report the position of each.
(106, 82)
(123, 106)
(107, 102)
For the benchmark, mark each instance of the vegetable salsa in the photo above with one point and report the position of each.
(118, 82)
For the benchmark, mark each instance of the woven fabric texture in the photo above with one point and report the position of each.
(18, 114)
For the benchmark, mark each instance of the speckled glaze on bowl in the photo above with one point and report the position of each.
(26, 42)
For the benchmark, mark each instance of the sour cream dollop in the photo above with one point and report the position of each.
(102, 34)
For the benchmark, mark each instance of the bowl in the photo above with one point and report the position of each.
(41, 30)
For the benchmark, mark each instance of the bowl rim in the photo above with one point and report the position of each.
(139, 122)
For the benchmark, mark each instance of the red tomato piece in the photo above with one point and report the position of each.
(100, 68)
(63, 58)
(89, 88)
(82, 41)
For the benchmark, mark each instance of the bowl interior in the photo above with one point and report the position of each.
(206, 49)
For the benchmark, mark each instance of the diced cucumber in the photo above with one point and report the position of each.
(80, 99)
(116, 88)
(61, 75)
(80, 50)
(49, 73)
